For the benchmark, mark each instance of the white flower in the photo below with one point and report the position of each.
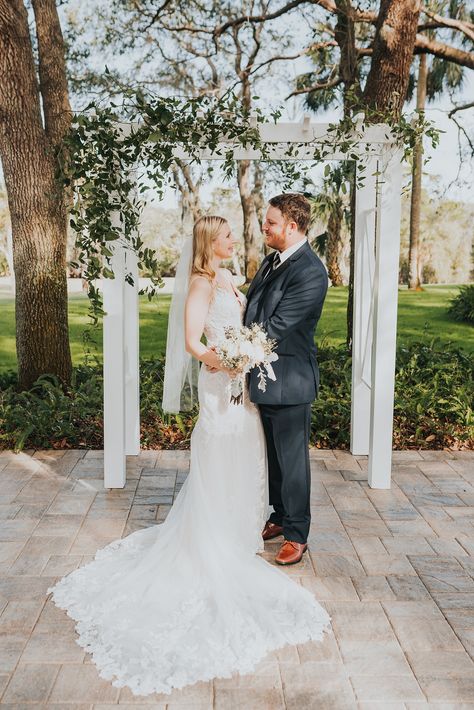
(246, 348)
(258, 353)
(232, 349)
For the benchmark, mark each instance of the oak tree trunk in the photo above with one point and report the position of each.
(191, 206)
(386, 86)
(251, 198)
(333, 246)
(349, 72)
(259, 202)
(257, 191)
(36, 200)
(345, 36)
(394, 43)
(414, 264)
(251, 224)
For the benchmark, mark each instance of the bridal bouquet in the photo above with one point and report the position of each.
(241, 350)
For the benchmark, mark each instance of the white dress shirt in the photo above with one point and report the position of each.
(284, 255)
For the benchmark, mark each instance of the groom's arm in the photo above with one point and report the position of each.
(303, 297)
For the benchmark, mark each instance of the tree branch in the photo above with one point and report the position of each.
(282, 58)
(423, 43)
(256, 32)
(463, 107)
(316, 87)
(462, 130)
(326, 4)
(466, 27)
(52, 70)
(157, 14)
(214, 73)
(444, 51)
(238, 53)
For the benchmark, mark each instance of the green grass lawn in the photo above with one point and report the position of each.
(421, 316)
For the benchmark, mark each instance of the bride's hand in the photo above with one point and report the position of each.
(213, 364)
(211, 361)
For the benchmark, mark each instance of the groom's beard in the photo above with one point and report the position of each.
(276, 241)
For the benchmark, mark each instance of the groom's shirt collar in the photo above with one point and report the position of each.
(284, 255)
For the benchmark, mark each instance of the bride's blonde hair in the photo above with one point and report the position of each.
(205, 231)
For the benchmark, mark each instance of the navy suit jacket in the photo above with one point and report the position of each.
(288, 304)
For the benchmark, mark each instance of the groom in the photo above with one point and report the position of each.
(286, 297)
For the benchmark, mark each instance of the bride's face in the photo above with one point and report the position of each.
(277, 229)
(223, 244)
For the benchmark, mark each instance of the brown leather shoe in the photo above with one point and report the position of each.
(271, 530)
(290, 553)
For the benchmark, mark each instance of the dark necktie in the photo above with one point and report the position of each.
(272, 265)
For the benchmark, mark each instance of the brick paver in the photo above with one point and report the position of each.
(394, 569)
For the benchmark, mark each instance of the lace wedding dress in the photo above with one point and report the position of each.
(190, 600)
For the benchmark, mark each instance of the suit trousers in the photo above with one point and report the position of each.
(287, 429)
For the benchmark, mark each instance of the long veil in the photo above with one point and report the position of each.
(181, 369)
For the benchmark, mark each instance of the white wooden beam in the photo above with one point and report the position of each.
(387, 249)
(277, 151)
(364, 258)
(303, 132)
(132, 360)
(114, 370)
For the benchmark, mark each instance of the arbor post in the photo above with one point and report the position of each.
(132, 362)
(114, 368)
(364, 263)
(387, 249)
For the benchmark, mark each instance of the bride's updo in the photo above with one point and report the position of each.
(205, 231)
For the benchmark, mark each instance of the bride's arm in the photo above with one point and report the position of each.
(197, 306)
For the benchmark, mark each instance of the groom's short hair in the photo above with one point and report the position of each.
(295, 208)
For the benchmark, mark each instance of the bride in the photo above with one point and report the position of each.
(190, 600)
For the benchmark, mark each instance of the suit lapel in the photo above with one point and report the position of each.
(274, 274)
(283, 267)
(259, 285)
(257, 279)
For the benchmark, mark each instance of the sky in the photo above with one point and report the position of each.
(444, 175)
(442, 166)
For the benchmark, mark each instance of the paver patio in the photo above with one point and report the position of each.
(394, 569)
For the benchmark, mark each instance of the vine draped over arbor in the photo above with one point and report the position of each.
(113, 155)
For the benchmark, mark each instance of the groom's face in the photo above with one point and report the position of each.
(277, 230)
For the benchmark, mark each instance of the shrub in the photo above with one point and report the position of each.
(429, 274)
(403, 271)
(462, 305)
(433, 405)
(433, 397)
(48, 417)
(159, 430)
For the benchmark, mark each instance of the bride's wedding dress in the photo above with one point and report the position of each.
(190, 600)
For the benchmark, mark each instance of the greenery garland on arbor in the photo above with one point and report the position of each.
(100, 161)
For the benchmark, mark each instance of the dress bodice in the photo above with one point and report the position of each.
(225, 309)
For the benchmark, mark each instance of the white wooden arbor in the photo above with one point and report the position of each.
(377, 241)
